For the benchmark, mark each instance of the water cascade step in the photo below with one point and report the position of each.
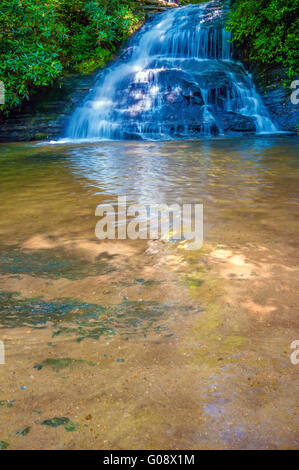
(176, 79)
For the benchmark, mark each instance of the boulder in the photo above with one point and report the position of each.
(233, 122)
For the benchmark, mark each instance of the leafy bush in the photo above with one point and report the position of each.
(39, 40)
(267, 30)
(31, 41)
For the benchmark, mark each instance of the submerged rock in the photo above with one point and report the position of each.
(3, 445)
(54, 422)
(234, 122)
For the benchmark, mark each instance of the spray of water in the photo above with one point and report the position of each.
(176, 79)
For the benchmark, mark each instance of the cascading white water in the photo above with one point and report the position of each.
(177, 79)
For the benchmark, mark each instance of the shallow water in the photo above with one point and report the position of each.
(56, 188)
(189, 349)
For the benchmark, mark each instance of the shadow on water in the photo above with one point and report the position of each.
(53, 265)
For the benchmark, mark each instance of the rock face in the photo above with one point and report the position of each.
(269, 82)
(45, 116)
(236, 123)
(150, 7)
(277, 98)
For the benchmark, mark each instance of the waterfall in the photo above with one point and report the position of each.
(176, 79)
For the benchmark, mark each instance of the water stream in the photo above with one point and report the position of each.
(176, 79)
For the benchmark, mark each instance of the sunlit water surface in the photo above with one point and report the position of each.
(140, 344)
(46, 188)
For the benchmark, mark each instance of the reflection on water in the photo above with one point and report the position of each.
(46, 188)
(174, 336)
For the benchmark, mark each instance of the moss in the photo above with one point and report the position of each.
(71, 427)
(6, 404)
(61, 363)
(3, 445)
(55, 422)
(93, 63)
(84, 320)
(23, 432)
(41, 136)
(45, 263)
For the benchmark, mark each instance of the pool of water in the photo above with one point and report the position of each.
(205, 332)
(55, 188)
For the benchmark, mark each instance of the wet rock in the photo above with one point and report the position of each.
(46, 114)
(273, 85)
(234, 122)
(214, 79)
(277, 99)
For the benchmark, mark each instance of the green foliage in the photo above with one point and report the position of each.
(39, 40)
(267, 30)
(31, 40)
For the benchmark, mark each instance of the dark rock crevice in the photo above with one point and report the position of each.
(45, 115)
(277, 96)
